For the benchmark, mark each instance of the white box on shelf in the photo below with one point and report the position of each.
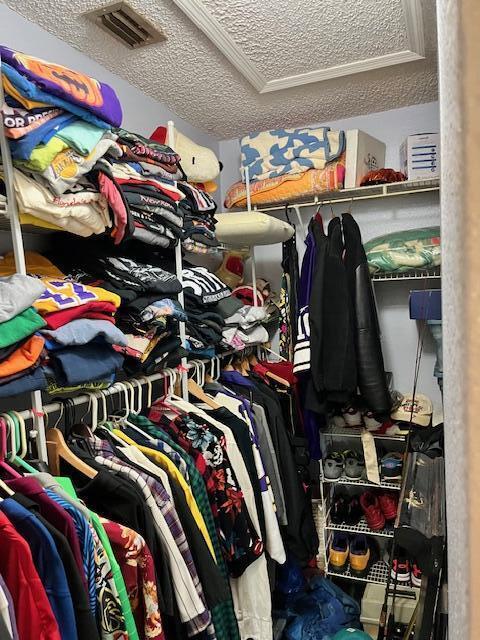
(363, 154)
(374, 596)
(420, 156)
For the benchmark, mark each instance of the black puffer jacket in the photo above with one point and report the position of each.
(371, 377)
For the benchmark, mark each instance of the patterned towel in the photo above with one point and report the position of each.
(270, 154)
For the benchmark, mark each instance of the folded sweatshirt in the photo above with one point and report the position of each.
(17, 293)
(22, 358)
(20, 327)
(74, 365)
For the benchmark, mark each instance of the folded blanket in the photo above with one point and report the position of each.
(290, 187)
(270, 154)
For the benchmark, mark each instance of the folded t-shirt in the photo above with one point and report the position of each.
(17, 293)
(19, 327)
(84, 330)
(74, 365)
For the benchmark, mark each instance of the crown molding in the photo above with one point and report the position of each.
(211, 27)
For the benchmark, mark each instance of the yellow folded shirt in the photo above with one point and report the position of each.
(167, 465)
(27, 218)
(43, 155)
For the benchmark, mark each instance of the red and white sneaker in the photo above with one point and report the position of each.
(415, 574)
(352, 416)
(401, 568)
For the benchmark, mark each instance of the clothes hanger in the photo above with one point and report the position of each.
(10, 433)
(18, 459)
(58, 450)
(197, 392)
(3, 453)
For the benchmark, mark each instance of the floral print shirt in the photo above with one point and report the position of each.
(138, 570)
(240, 542)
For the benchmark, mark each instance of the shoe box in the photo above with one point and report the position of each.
(373, 598)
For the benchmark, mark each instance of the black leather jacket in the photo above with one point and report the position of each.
(371, 377)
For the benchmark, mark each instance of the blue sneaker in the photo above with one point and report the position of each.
(391, 466)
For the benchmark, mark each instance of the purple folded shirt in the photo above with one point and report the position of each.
(73, 86)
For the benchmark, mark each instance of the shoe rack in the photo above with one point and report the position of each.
(340, 439)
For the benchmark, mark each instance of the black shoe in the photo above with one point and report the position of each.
(338, 512)
(354, 511)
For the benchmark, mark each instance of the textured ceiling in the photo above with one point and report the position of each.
(286, 37)
(281, 37)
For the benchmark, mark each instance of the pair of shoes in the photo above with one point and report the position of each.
(355, 550)
(405, 570)
(346, 510)
(378, 508)
(391, 466)
(351, 416)
(349, 463)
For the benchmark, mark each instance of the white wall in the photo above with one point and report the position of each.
(142, 114)
(375, 217)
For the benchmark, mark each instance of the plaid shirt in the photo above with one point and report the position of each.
(168, 525)
(223, 614)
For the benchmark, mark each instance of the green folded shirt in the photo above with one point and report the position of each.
(20, 327)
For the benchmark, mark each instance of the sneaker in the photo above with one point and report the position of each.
(388, 504)
(338, 512)
(339, 550)
(354, 465)
(354, 511)
(371, 509)
(415, 574)
(397, 429)
(352, 416)
(391, 466)
(338, 420)
(359, 556)
(401, 568)
(370, 422)
(333, 465)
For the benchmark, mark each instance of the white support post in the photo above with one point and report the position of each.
(252, 248)
(178, 270)
(20, 264)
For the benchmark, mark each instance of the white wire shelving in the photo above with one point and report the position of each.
(417, 274)
(361, 527)
(356, 432)
(360, 193)
(384, 484)
(378, 573)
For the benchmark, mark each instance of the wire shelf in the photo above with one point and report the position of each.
(361, 527)
(384, 484)
(378, 573)
(356, 432)
(359, 193)
(420, 274)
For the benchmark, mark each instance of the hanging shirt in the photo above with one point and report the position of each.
(47, 563)
(138, 570)
(33, 613)
(7, 612)
(185, 580)
(223, 615)
(52, 512)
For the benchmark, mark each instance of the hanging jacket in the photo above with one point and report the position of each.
(372, 381)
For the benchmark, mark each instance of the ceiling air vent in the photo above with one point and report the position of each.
(124, 24)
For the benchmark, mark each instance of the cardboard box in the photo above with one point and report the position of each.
(426, 304)
(420, 156)
(363, 154)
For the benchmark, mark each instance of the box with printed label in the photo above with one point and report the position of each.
(420, 156)
(363, 154)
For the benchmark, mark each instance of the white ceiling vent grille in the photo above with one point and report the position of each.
(124, 24)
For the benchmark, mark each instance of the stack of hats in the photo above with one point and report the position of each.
(21, 351)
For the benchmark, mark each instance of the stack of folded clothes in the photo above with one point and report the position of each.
(57, 134)
(76, 325)
(198, 220)
(76, 170)
(148, 314)
(21, 350)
